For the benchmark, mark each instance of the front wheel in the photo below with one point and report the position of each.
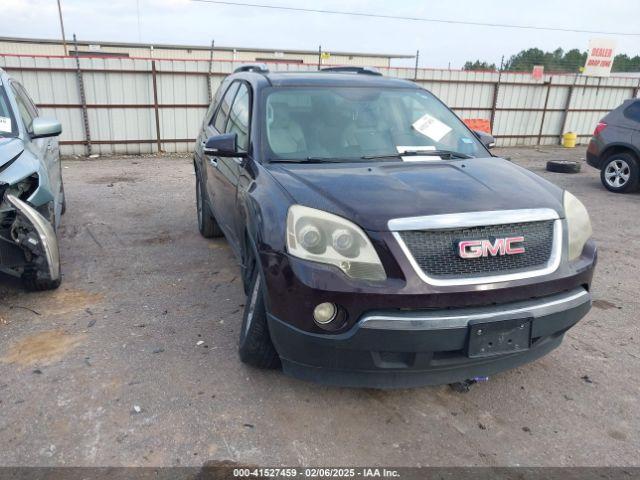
(256, 348)
(36, 283)
(620, 173)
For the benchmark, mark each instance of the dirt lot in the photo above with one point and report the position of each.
(107, 371)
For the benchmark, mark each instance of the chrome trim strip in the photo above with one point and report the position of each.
(47, 235)
(552, 264)
(472, 219)
(442, 319)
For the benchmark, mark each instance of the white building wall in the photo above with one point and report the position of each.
(119, 95)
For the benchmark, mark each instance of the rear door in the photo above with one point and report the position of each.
(229, 169)
(205, 129)
(216, 126)
(620, 124)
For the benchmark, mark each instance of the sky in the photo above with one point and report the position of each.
(440, 45)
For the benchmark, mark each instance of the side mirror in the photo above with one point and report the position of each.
(486, 139)
(225, 145)
(45, 127)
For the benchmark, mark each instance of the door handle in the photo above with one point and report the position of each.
(213, 161)
(49, 147)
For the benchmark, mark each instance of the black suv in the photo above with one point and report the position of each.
(381, 244)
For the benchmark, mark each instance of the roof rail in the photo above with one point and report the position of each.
(359, 70)
(252, 67)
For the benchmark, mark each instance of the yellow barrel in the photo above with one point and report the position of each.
(569, 140)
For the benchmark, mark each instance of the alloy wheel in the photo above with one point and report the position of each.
(617, 173)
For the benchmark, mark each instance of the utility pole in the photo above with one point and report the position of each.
(496, 89)
(415, 72)
(64, 40)
(319, 56)
(209, 91)
(83, 98)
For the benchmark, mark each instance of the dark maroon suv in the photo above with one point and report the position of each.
(380, 243)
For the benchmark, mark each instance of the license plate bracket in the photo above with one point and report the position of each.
(498, 338)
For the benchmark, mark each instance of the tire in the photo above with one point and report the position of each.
(563, 166)
(620, 173)
(207, 224)
(31, 282)
(256, 348)
(63, 208)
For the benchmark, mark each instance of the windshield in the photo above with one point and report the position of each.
(355, 122)
(8, 126)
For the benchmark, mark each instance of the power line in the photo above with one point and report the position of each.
(414, 19)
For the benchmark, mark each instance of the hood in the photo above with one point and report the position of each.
(10, 149)
(371, 194)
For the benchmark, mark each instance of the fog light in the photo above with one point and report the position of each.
(325, 312)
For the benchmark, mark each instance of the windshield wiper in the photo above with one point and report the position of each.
(316, 160)
(444, 154)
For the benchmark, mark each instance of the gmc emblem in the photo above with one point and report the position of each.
(486, 248)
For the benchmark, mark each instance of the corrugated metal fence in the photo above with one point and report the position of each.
(143, 105)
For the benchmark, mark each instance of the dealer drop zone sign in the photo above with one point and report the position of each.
(600, 57)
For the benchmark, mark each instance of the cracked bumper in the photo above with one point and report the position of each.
(47, 240)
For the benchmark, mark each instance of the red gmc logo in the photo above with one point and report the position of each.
(485, 248)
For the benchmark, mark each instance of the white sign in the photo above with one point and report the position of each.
(431, 127)
(600, 57)
(5, 124)
(94, 47)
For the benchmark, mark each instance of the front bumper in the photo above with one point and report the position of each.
(39, 239)
(391, 349)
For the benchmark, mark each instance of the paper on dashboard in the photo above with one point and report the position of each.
(419, 148)
(5, 124)
(431, 127)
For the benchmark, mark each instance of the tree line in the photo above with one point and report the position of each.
(556, 61)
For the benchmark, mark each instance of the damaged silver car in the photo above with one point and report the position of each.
(31, 189)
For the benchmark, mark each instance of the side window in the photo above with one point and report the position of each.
(208, 120)
(25, 109)
(220, 119)
(29, 101)
(239, 117)
(632, 112)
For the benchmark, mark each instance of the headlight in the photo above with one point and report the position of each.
(578, 224)
(326, 238)
(25, 187)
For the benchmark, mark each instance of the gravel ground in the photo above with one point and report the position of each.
(106, 370)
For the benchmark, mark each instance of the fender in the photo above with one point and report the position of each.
(611, 146)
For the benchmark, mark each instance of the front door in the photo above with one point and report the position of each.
(217, 126)
(228, 169)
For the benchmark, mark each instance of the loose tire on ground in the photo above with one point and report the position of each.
(620, 173)
(563, 166)
(256, 348)
(207, 224)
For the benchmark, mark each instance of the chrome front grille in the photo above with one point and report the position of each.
(436, 251)
(431, 244)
